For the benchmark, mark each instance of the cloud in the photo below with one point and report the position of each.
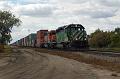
(51, 14)
(72, 1)
(97, 13)
(110, 3)
(36, 10)
(25, 2)
(5, 5)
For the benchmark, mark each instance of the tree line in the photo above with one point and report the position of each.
(105, 39)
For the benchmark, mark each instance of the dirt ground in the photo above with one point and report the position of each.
(29, 64)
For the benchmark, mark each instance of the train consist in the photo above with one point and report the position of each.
(68, 36)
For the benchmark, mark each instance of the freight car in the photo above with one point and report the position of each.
(51, 43)
(41, 38)
(32, 40)
(68, 36)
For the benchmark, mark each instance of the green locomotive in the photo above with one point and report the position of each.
(73, 35)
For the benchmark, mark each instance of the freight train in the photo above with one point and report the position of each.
(68, 36)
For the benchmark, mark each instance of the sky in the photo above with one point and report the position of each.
(51, 14)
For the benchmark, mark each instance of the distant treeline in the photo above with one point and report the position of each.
(107, 39)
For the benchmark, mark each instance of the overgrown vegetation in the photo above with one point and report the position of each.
(6, 52)
(107, 39)
(89, 60)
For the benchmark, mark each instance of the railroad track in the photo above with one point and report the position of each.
(104, 53)
(95, 52)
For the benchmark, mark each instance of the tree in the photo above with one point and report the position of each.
(115, 38)
(105, 39)
(7, 21)
(96, 32)
(99, 39)
(117, 31)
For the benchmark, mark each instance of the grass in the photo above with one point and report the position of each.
(5, 52)
(108, 49)
(81, 58)
(115, 49)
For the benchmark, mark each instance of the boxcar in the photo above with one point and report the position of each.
(25, 44)
(52, 39)
(22, 41)
(32, 40)
(26, 41)
(40, 40)
(45, 43)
